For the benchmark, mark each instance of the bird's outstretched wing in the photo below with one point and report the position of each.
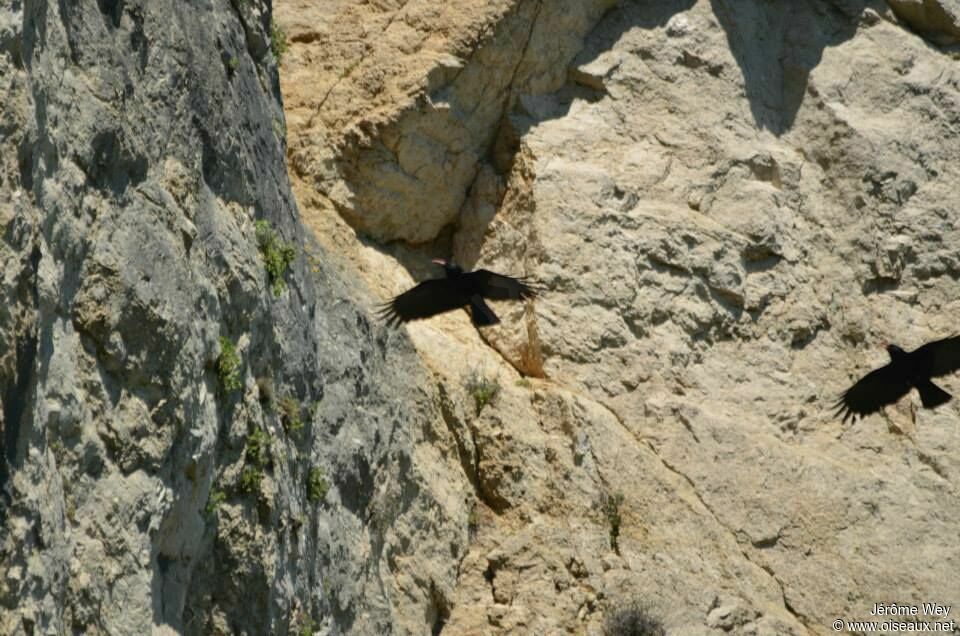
(940, 356)
(499, 287)
(872, 392)
(429, 298)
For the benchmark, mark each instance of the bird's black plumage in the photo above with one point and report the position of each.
(905, 371)
(457, 289)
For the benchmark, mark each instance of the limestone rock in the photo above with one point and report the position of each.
(939, 19)
(722, 284)
(412, 110)
(729, 216)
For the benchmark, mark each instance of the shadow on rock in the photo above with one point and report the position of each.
(777, 44)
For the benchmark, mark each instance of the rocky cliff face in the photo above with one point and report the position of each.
(164, 466)
(730, 205)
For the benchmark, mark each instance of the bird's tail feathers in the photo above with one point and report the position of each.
(931, 395)
(480, 312)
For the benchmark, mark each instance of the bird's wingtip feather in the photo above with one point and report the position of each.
(387, 313)
(531, 288)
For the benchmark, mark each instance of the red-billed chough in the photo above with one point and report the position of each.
(888, 384)
(457, 289)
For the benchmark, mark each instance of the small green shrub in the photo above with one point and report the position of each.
(258, 448)
(631, 620)
(233, 64)
(303, 627)
(278, 41)
(58, 449)
(317, 485)
(228, 365)
(483, 389)
(250, 479)
(524, 382)
(258, 457)
(217, 497)
(610, 505)
(290, 415)
(277, 255)
(473, 519)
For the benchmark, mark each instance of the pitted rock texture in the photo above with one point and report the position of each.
(732, 205)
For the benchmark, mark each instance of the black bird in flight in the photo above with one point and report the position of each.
(888, 384)
(457, 289)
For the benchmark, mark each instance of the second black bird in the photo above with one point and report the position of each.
(457, 289)
(907, 370)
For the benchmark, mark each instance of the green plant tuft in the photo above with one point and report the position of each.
(317, 485)
(483, 389)
(473, 519)
(258, 448)
(610, 504)
(258, 458)
(59, 450)
(277, 255)
(290, 414)
(217, 497)
(305, 628)
(278, 41)
(250, 479)
(228, 365)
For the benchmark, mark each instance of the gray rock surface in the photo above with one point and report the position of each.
(140, 141)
